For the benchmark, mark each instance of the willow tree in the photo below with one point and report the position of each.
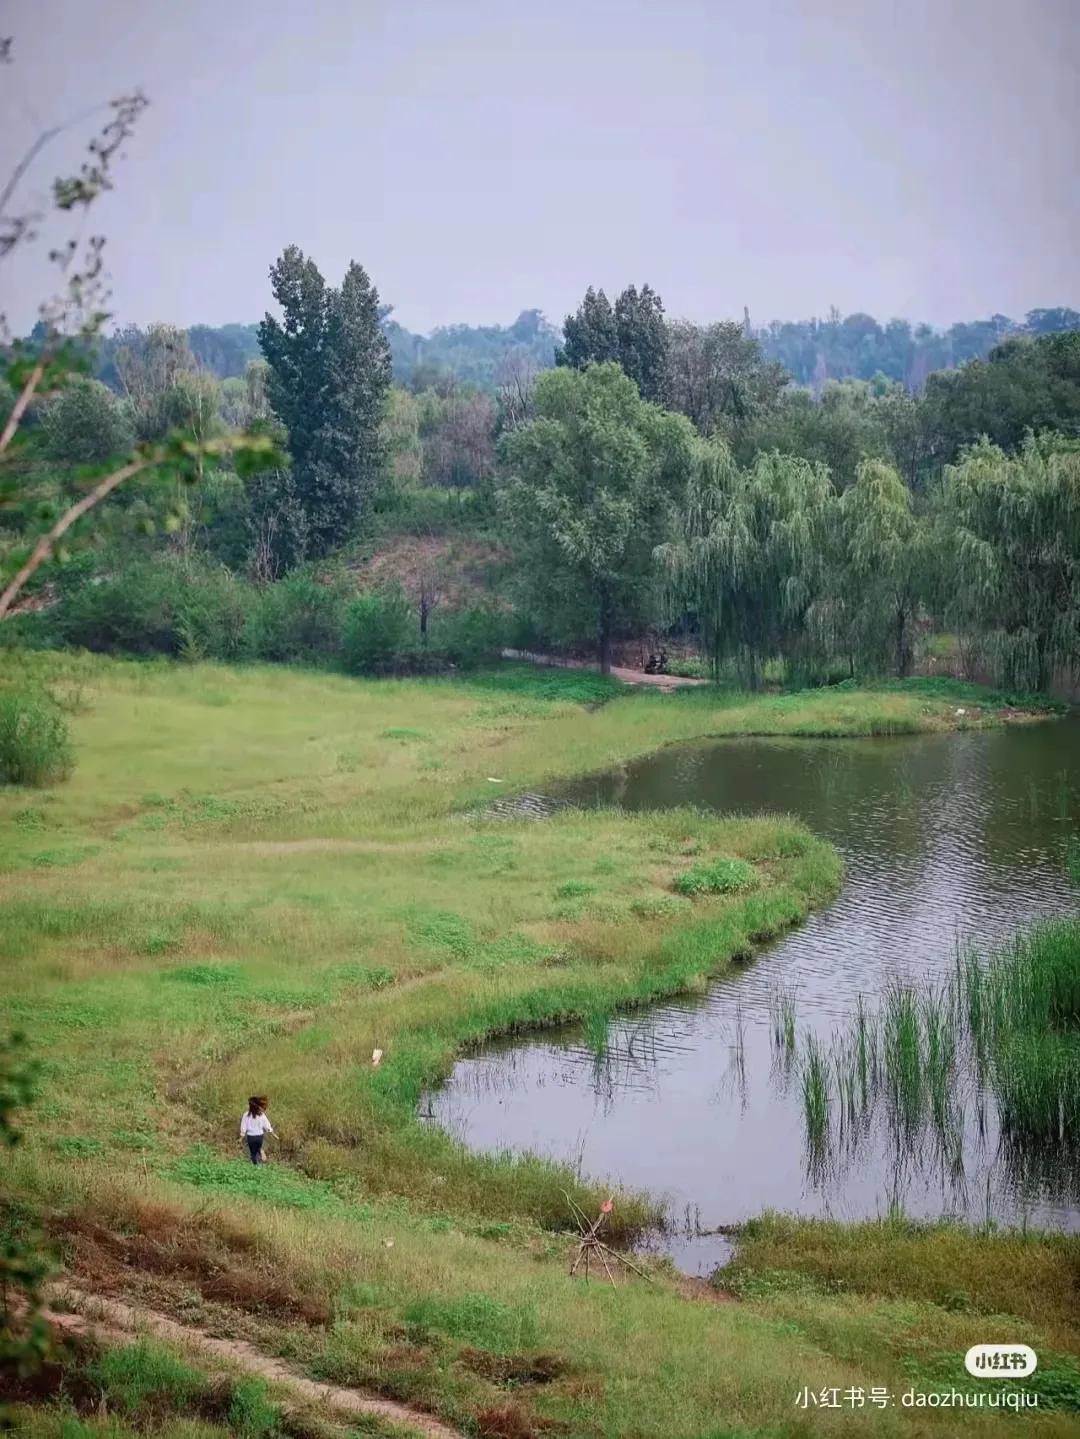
(1010, 556)
(877, 565)
(749, 557)
(593, 478)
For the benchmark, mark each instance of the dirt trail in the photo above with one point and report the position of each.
(618, 672)
(113, 1320)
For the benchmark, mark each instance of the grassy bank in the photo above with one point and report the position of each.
(253, 879)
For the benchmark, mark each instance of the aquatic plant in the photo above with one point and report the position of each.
(1005, 1026)
(816, 1097)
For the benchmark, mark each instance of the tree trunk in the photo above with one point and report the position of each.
(604, 634)
(903, 649)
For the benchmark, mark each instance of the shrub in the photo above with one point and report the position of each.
(212, 611)
(379, 634)
(130, 611)
(468, 638)
(167, 605)
(297, 619)
(718, 876)
(34, 744)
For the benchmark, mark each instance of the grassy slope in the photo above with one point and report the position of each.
(254, 877)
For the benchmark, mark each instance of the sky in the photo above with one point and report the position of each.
(480, 157)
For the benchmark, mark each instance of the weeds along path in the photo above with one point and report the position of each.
(115, 1322)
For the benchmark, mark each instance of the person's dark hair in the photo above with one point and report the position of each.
(256, 1105)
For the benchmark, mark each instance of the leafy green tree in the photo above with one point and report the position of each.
(749, 557)
(1026, 384)
(838, 430)
(85, 424)
(719, 378)
(594, 476)
(329, 374)
(1009, 556)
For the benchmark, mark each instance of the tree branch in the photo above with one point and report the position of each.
(44, 547)
(19, 408)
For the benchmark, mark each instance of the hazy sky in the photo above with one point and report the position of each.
(911, 157)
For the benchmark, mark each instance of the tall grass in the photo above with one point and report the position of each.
(1005, 1026)
(34, 744)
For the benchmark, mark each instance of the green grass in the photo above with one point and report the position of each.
(719, 876)
(267, 881)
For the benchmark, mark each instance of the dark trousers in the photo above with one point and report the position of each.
(254, 1144)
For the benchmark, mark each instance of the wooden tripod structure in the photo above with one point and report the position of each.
(592, 1248)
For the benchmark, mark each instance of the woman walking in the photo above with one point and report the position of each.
(254, 1124)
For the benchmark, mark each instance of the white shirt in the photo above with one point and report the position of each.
(254, 1124)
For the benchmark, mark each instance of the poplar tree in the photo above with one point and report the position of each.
(328, 381)
(590, 336)
(634, 333)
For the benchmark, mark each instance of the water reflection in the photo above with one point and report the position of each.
(946, 839)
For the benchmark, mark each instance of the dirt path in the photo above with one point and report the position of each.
(618, 672)
(113, 1320)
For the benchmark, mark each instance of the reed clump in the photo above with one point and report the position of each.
(1004, 1027)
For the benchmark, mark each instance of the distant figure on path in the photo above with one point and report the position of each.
(254, 1124)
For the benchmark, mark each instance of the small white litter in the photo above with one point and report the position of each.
(376, 1057)
(961, 712)
(493, 780)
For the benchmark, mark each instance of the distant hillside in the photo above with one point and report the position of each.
(812, 351)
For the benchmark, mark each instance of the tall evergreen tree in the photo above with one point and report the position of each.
(328, 379)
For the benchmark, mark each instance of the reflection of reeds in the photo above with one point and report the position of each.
(783, 1023)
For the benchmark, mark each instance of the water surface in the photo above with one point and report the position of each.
(947, 840)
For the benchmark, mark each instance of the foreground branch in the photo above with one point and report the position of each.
(26, 394)
(44, 547)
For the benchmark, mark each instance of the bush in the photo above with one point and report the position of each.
(131, 611)
(468, 638)
(211, 615)
(297, 619)
(34, 744)
(162, 606)
(379, 634)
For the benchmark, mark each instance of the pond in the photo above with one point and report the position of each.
(948, 840)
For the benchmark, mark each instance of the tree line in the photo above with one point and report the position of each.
(661, 475)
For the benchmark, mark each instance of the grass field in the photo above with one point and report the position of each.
(255, 877)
